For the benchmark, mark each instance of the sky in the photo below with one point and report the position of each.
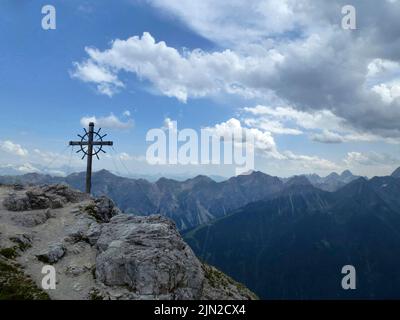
(316, 97)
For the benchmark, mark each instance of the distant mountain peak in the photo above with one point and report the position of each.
(199, 179)
(298, 181)
(247, 173)
(333, 175)
(357, 186)
(396, 173)
(346, 174)
(105, 173)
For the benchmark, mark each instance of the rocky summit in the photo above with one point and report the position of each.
(97, 251)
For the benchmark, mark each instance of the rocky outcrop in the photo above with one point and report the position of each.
(52, 254)
(102, 209)
(43, 197)
(148, 255)
(31, 218)
(100, 253)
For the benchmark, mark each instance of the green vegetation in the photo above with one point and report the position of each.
(15, 285)
(95, 295)
(21, 245)
(90, 209)
(9, 253)
(218, 279)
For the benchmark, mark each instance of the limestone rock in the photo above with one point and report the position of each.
(16, 202)
(84, 230)
(23, 240)
(54, 253)
(102, 254)
(31, 219)
(76, 270)
(148, 255)
(43, 197)
(102, 209)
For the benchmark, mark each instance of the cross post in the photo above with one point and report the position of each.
(91, 144)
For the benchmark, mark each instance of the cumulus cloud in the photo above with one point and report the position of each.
(111, 122)
(309, 73)
(13, 148)
(311, 163)
(341, 86)
(370, 159)
(321, 126)
(328, 137)
(176, 74)
(302, 119)
(294, 50)
(27, 168)
(232, 130)
(388, 92)
(264, 145)
(235, 21)
(106, 81)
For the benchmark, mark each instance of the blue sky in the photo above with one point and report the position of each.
(259, 64)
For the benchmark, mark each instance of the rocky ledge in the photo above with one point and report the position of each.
(98, 252)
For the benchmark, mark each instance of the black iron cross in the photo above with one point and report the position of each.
(91, 144)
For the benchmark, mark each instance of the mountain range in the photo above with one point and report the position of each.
(294, 244)
(189, 203)
(283, 238)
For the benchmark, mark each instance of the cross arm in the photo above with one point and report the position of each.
(94, 143)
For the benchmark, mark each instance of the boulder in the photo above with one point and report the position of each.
(23, 240)
(16, 202)
(52, 254)
(85, 229)
(102, 209)
(31, 219)
(148, 255)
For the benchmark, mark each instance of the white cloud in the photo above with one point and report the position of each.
(328, 137)
(311, 163)
(168, 124)
(307, 120)
(236, 21)
(124, 156)
(291, 50)
(379, 66)
(388, 91)
(107, 82)
(272, 126)
(181, 75)
(299, 71)
(13, 148)
(383, 79)
(265, 146)
(322, 125)
(371, 163)
(27, 168)
(111, 122)
(263, 140)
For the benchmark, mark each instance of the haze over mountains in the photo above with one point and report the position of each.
(189, 203)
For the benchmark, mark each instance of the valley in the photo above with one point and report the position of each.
(294, 245)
